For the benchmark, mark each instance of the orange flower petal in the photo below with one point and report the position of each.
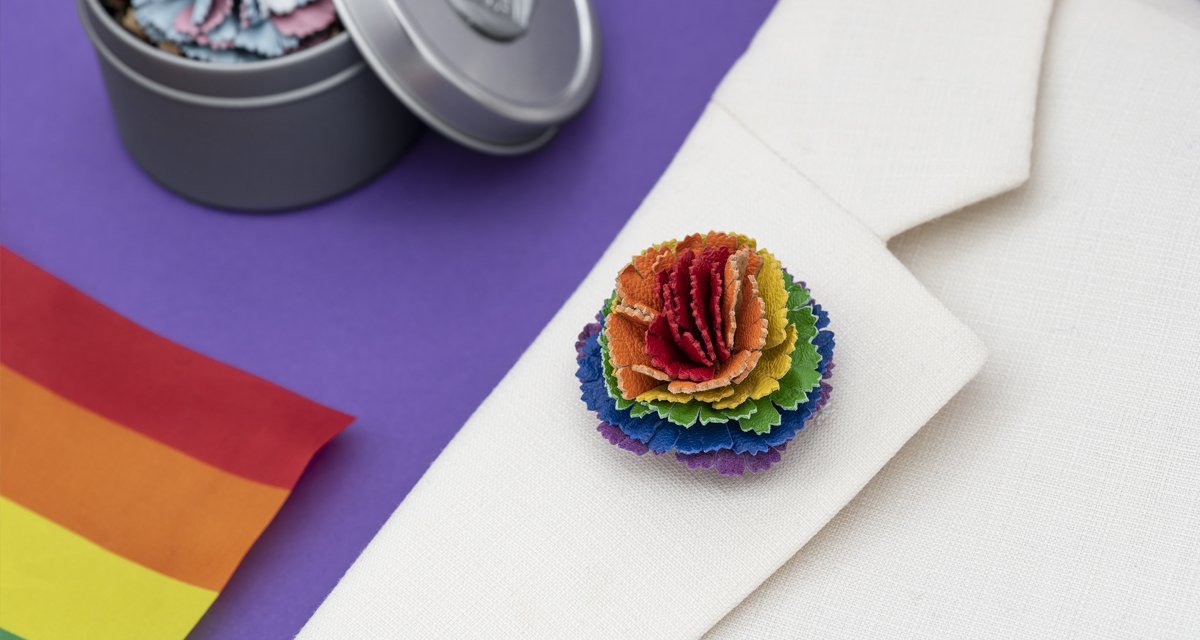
(737, 366)
(636, 312)
(626, 340)
(720, 239)
(632, 383)
(653, 260)
(751, 333)
(693, 243)
(755, 357)
(754, 263)
(734, 270)
(634, 290)
(635, 282)
(652, 372)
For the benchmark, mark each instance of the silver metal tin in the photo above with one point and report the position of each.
(499, 76)
(305, 127)
(271, 135)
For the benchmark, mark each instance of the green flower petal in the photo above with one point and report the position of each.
(639, 409)
(803, 375)
(685, 414)
(766, 417)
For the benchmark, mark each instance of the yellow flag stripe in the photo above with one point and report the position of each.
(56, 584)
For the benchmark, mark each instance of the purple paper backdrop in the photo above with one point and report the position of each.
(402, 303)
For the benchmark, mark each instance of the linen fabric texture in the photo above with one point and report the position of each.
(1057, 496)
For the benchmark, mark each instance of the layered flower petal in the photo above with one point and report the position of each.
(666, 355)
(752, 325)
(775, 297)
(675, 296)
(735, 270)
(702, 275)
(637, 291)
(627, 347)
(633, 383)
(626, 340)
(761, 381)
(735, 369)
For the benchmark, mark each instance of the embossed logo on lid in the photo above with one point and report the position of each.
(498, 19)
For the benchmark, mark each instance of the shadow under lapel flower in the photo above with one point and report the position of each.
(708, 348)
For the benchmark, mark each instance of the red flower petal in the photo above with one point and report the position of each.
(716, 277)
(666, 355)
(676, 303)
(681, 291)
(701, 296)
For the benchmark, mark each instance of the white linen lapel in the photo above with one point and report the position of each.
(531, 525)
(899, 111)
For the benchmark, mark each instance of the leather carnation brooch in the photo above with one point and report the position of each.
(707, 348)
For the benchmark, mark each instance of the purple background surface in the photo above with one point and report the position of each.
(403, 303)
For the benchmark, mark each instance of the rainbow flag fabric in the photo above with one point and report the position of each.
(134, 472)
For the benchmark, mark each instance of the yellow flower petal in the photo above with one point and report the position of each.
(662, 394)
(763, 379)
(774, 295)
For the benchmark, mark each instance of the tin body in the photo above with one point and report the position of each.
(269, 135)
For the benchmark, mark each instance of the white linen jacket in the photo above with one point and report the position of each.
(1057, 496)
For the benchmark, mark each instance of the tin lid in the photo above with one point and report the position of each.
(499, 76)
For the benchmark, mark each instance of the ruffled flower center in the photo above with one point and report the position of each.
(691, 315)
(687, 338)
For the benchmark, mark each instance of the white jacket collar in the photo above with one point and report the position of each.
(899, 111)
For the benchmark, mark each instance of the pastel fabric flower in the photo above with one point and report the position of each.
(707, 348)
(228, 30)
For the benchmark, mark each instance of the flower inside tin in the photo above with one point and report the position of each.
(228, 31)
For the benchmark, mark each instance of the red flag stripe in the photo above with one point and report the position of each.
(64, 340)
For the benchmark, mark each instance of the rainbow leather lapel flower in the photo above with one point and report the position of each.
(707, 348)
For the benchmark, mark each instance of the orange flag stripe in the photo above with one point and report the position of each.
(128, 493)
